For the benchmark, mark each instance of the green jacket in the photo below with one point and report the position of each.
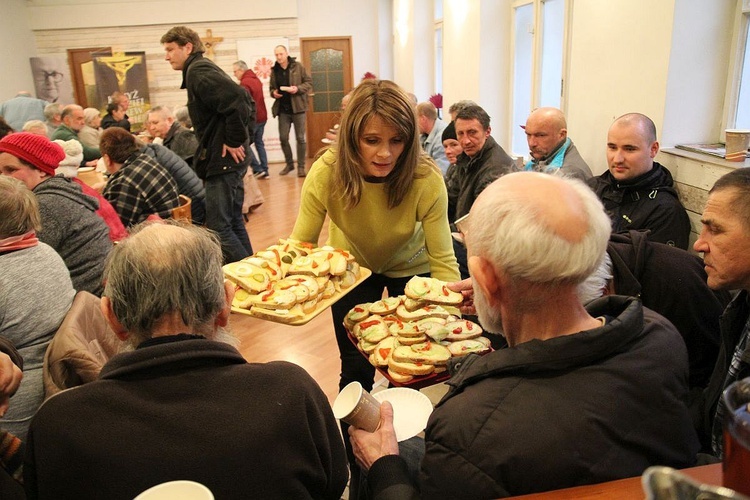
(65, 133)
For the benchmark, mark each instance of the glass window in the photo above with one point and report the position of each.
(742, 110)
(522, 74)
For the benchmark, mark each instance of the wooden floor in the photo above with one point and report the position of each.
(312, 346)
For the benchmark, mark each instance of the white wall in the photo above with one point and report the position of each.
(462, 50)
(616, 68)
(18, 45)
(697, 77)
(360, 20)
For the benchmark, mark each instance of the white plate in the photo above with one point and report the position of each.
(411, 409)
(86, 169)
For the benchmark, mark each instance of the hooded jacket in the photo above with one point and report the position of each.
(70, 226)
(221, 112)
(253, 85)
(647, 202)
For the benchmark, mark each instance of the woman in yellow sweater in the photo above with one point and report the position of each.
(387, 205)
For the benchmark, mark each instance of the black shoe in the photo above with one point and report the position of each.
(286, 170)
(301, 172)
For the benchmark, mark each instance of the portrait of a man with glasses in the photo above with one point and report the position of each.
(52, 79)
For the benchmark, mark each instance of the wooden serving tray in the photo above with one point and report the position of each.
(324, 304)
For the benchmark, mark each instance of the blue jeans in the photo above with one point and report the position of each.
(285, 124)
(224, 196)
(259, 163)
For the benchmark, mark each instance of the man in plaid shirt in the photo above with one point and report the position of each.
(138, 186)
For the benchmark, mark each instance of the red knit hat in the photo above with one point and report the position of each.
(34, 149)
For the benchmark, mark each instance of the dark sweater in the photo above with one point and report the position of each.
(189, 409)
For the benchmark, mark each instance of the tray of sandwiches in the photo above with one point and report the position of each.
(292, 282)
(410, 338)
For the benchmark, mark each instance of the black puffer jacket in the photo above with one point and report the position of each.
(221, 112)
(647, 202)
(187, 182)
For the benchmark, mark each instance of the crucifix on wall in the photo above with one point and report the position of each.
(209, 41)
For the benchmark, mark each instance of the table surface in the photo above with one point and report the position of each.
(624, 489)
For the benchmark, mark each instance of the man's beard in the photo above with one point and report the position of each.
(490, 320)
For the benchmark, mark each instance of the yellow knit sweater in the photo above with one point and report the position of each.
(409, 239)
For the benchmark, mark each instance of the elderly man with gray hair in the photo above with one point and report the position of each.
(580, 396)
(184, 404)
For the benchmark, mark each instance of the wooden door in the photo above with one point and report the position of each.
(329, 61)
(81, 67)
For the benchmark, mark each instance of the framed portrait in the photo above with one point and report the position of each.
(52, 80)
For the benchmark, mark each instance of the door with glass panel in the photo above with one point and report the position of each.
(329, 62)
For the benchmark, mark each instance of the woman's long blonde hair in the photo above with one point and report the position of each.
(388, 101)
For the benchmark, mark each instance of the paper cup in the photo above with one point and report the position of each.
(357, 407)
(737, 142)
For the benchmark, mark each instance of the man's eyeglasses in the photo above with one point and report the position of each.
(55, 76)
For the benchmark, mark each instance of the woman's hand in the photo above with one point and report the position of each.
(467, 290)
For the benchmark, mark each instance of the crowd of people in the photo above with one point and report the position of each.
(605, 366)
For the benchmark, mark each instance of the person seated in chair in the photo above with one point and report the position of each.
(184, 404)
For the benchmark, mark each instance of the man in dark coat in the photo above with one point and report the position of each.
(184, 404)
(223, 116)
(637, 192)
(579, 396)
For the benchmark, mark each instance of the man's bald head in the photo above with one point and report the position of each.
(546, 129)
(539, 228)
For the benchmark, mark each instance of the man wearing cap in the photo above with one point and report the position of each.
(69, 221)
(550, 148)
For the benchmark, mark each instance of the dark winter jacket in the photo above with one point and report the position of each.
(590, 407)
(297, 77)
(647, 202)
(221, 112)
(471, 175)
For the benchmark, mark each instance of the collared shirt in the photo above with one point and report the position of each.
(140, 188)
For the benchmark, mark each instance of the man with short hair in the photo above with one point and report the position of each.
(725, 243)
(160, 123)
(72, 122)
(21, 109)
(550, 148)
(223, 116)
(52, 117)
(138, 186)
(580, 396)
(250, 82)
(638, 192)
(290, 85)
(482, 161)
(184, 404)
(458, 106)
(431, 132)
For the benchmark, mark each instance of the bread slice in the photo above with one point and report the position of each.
(432, 290)
(249, 276)
(401, 378)
(372, 329)
(328, 290)
(366, 347)
(407, 367)
(306, 264)
(356, 314)
(409, 329)
(382, 352)
(413, 305)
(273, 299)
(412, 340)
(433, 329)
(385, 306)
(301, 292)
(309, 282)
(426, 352)
(463, 330)
(429, 311)
(279, 315)
(271, 268)
(464, 347)
(336, 260)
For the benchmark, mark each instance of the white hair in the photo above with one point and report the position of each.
(510, 233)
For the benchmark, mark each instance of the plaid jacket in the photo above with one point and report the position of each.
(140, 188)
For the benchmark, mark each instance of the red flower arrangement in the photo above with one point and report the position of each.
(369, 76)
(437, 101)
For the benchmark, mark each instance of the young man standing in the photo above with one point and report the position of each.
(223, 116)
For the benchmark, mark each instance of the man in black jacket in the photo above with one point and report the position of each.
(223, 116)
(637, 192)
(580, 396)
